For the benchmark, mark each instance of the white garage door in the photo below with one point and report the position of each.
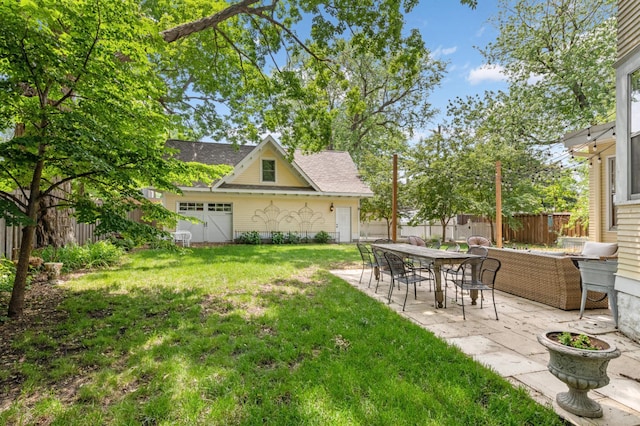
(215, 224)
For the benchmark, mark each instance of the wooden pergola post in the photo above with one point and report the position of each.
(394, 200)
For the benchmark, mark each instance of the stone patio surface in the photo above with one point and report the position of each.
(510, 347)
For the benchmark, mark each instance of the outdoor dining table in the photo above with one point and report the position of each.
(437, 257)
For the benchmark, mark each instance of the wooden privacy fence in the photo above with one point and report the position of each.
(11, 236)
(543, 229)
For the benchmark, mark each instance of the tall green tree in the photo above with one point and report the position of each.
(558, 56)
(434, 171)
(82, 95)
(228, 65)
(527, 171)
(372, 101)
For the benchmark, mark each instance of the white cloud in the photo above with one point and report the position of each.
(444, 51)
(486, 73)
(480, 31)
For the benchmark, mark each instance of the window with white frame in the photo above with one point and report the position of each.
(190, 207)
(634, 134)
(219, 207)
(268, 170)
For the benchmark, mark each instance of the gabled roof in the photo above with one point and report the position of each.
(332, 171)
(210, 153)
(327, 172)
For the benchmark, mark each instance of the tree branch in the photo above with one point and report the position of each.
(212, 21)
(11, 197)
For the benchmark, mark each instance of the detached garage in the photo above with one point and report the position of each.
(267, 193)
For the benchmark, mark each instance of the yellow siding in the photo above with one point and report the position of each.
(628, 30)
(629, 241)
(594, 202)
(285, 174)
(285, 213)
(599, 229)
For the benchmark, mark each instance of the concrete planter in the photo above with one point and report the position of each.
(581, 370)
(53, 270)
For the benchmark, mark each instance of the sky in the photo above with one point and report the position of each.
(450, 31)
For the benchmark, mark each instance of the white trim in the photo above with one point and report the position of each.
(627, 286)
(253, 155)
(608, 160)
(623, 72)
(275, 172)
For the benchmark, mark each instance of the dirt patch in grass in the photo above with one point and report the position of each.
(41, 313)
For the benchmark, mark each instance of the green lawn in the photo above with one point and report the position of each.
(244, 335)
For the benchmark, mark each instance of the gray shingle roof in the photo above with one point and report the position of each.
(209, 152)
(330, 171)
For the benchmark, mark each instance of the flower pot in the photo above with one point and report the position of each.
(581, 370)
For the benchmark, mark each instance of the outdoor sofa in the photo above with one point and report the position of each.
(542, 277)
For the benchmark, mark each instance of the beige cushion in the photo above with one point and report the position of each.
(476, 240)
(599, 249)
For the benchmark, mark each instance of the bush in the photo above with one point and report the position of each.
(7, 274)
(251, 237)
(277, 238)
(292, 238)
(92, 255)
(322, 237)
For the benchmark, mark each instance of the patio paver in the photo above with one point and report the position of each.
(510, 347)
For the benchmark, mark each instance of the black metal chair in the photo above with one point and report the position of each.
(419, 264)
(368, 261)
(400, 273)
(382, 266)
(451, 271)
(478, 274)
(384, 241)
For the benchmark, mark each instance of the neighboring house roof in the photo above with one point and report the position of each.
(327, 172)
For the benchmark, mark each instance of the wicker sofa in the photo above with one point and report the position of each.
(550, 279)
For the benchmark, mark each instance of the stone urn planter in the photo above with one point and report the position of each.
(53, 270)
(580, 369)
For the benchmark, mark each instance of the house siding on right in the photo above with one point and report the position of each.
(627, 198)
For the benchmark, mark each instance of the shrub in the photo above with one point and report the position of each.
(277, 238)
(92, 255)
(292, 238)
(251, 237)
(7, 274)
(322, 237)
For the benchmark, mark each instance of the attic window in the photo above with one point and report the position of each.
(268, 170)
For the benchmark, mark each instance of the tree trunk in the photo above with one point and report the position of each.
(493, 237)
(388, 228)
(54, 224)
(16, 304)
